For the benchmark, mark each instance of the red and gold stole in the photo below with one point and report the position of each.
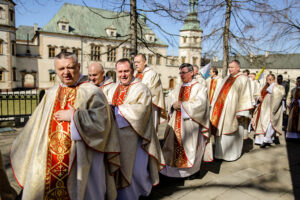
(213, 84)
(263, 94)
(296, 111)
(120, 94)
(59, 145)
(139, 76)
(219, 105)
(180, 158)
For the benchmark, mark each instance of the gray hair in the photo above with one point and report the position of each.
(66, 55)
(188, 65)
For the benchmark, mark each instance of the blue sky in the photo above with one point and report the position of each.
(29, 12)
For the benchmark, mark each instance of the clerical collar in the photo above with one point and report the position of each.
(129, 82)
(75, 84)
(187, 84)
(102, 83)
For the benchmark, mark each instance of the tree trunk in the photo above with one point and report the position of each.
(226, 38)
(133, 29)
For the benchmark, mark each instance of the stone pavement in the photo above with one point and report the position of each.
(271, 173)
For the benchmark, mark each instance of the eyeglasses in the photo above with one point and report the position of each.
(184, 72)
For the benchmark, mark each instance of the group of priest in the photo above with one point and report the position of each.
(98, 139)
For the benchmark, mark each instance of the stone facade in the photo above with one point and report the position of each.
(27, 52)
(32, 63)
(7, 44)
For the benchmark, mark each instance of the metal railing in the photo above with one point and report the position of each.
(18, 105)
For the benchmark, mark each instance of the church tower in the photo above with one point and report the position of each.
(7, 44)
(191, 37)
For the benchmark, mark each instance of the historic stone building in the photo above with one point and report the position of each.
(27, 52)
(96, 35)
(8, 60)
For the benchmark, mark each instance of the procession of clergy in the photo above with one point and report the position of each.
(98, 139)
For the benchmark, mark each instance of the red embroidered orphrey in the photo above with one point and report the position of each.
(59, 145)
(213, 84)
(180, 158)
(120, 95)
(219, 105)
(263, 94)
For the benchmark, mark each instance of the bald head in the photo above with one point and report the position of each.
(96, 73)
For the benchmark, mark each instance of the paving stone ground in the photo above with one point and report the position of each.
(271, 173)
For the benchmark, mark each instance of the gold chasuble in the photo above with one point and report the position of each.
(231, 99)
(269, 110)
(152, 80)
(106, 85)
(59, 145)
(180, 158)
(220, 102)
(134, 105)
(213, 85)
(185, 142)
(257, 112)
(49, 164)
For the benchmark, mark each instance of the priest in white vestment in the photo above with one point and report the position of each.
(212, 83)
(69, 148)
(255, 87)
(98, 78)
(293, 103)
(152, 80)
(141, 157)
(230, 105)
(187, 133)
(267, 118)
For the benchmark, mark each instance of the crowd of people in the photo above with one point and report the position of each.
(96, 139)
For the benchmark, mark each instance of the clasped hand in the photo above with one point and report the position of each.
(177, 105)
(65, 115)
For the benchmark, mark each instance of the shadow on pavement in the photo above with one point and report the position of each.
(213, 167)
(247, 146)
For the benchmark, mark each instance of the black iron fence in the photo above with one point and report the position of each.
(18, 105)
